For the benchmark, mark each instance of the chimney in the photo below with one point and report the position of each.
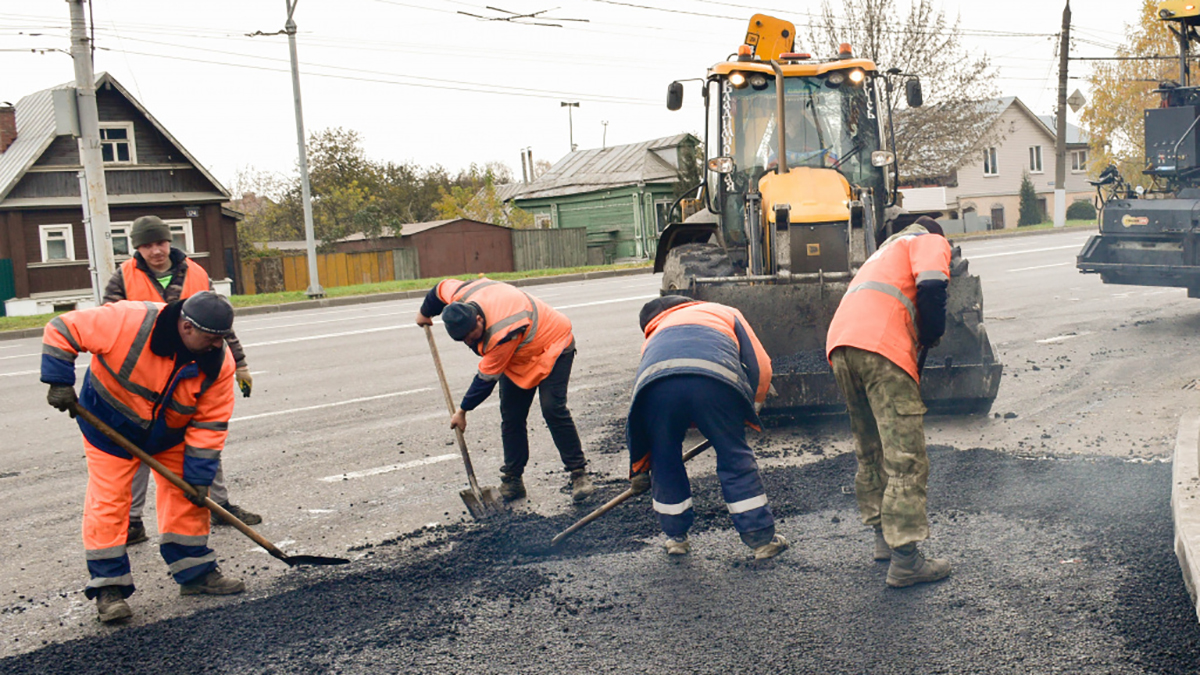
(8, 126)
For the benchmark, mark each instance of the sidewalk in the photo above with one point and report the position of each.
(378, 297)
(1185, 502)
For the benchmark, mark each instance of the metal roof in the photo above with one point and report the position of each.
(600, 168)
(35, 133)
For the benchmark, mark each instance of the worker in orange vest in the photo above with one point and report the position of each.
(159, 272)
(162, 377)
(528, 347)
(701, 365)
(895, 303)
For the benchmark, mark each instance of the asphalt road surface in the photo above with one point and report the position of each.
(1062, 565)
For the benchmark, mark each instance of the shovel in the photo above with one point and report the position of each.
(616, 501)
(481, 502)
(291, 560)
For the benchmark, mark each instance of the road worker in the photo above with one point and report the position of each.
(528, 347)
(895, 304)
(161, 376)
(159, 272)
(701, 365)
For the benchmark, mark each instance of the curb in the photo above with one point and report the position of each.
(380, 297)
(1185, 502)
(1016, 233)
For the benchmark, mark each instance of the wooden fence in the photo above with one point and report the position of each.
(546, 249)
(290, 272)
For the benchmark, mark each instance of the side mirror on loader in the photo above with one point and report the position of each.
(912, 93)
(675, 96)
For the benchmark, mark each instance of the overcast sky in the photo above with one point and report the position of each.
(422, 82)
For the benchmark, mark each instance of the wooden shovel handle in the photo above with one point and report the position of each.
(175, 480)
(462, 440)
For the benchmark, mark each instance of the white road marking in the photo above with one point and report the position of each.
(389, 468)
(17, 356)
(37, 372)
(330, 405)
(1023, 252)
(1041, 267)
(321, 511)
(317, 321)
(1062, 338)
(379, 329)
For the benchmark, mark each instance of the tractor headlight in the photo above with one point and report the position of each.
(857, 76)
(758, 81)
(738, 80)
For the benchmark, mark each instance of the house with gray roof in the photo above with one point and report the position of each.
(621, 194)
(42, 232)
(986, 182)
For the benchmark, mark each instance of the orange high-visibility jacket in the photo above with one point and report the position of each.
(879, 311)
(527, 360)
(139, 285)
(136, 386)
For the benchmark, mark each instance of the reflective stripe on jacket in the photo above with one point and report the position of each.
(545, 332)
(879, 311)
(150, 398)
(700, 338)
(140, 286)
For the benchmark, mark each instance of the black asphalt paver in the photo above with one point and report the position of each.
(1060, 566)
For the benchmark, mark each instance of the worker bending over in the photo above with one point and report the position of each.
(162, 377)
(158, 272)
(896, 302)
(528, 347)
(701, 365)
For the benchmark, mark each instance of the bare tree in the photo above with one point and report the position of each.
(959, 88)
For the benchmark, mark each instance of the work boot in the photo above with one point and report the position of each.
(237, 512)
(910, 567)
(678, 545)
(111, 605)
(136, 533)
(882, 550)
(581, 485)
(511, 487)
(777, 545)
(213, 583)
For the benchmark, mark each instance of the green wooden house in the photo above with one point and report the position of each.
(621, 194)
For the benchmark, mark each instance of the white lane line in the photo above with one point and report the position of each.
(313, 323)
(379, 329)
(1062, 338)
(18, 356)
(1023, 251)
(330, 405)
(37, 372)
(1041, 267)
(388, 469)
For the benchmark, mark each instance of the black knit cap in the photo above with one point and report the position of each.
(149, 230)
(931, 226)
(208, 312)
(658, 306)
(459, 318)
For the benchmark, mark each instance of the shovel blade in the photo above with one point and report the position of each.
(484, 505)
(294, 560)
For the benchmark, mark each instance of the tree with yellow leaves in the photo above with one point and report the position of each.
(1122, 90)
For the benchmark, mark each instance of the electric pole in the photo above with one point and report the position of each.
(1060, 131)
(314, 283)
(94, 195)
(570, 122)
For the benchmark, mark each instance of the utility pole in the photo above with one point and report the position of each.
(604, 138)
(94, 192)
(570, 123)
(314, 283)
(1060, 131)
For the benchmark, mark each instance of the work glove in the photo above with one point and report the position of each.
(200, 496)
(62, 396)
(244, 381)
(640, 482)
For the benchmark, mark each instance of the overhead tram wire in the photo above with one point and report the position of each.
(593, 98)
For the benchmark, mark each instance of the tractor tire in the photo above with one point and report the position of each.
(688, 261)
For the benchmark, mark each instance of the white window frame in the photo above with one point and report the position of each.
(181, 226)
(543, 221)
(989, 162)
(68, 230)
(1035, 159)
(1079, 161)
(128, 127)
(120, 230)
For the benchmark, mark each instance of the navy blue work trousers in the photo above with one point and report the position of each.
(514, 415)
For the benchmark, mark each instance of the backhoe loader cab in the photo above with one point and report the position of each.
(797, 185)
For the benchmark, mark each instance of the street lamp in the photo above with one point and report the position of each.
(570, 123)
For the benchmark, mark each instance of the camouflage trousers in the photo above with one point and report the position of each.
(887, 420)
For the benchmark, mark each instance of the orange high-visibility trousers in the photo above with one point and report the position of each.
(183, 527)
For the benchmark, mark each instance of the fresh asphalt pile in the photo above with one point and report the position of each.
(1061, 565)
